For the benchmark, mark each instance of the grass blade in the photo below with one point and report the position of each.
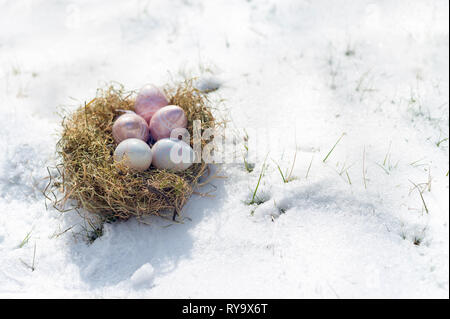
(332, 149)
(259, 180)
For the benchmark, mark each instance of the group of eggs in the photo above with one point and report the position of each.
(152, 117)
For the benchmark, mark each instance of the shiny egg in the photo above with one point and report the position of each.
(172, 154)
(165, 120)
(149, 100)
(130, 125)
(134, 153)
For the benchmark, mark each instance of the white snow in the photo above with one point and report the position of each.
(308, 70)
(143, 276)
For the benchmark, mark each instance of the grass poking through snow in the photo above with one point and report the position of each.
(255, 199)
(332, 149)
(32, 267)
(287, 177)
(421, 196)
(248, 166)
(26, 239)
(309, 167)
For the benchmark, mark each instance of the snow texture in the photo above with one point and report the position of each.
(353, 226)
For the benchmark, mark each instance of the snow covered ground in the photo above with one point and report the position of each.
(354, 226)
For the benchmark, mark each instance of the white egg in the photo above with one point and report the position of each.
(134, 153)
(172, 154)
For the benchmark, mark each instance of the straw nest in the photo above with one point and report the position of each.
(89, 176)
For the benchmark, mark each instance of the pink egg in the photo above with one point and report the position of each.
(165, 120)
(149, 100)
(130, 125)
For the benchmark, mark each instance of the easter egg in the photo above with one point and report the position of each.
(134, 153)
(130, 125)
(172, 154)
(149, 100)
(165, 120)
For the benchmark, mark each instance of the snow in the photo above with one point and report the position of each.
(143, 276)
(295, 75)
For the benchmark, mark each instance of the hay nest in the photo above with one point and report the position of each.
(89, 175)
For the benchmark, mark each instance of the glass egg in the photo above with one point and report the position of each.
(149, 100)
(130, 125)
(172, 154)
(134, 153)
(165, 120)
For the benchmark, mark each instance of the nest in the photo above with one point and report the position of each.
(89, 176)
